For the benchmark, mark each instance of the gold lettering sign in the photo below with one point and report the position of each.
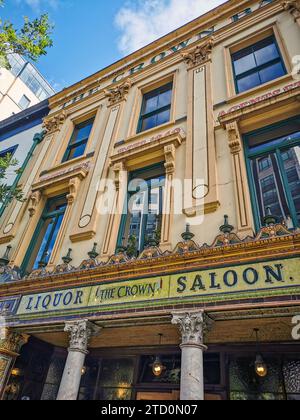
(226, 281)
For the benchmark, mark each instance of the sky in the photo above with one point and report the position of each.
(89, 35)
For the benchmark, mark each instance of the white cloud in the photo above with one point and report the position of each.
(143, 21)
(37, 5)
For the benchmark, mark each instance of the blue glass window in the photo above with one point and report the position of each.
(79, 139)
(257, 64)
(45, 236)
(156, 108)
(143, 216)
(274, 167)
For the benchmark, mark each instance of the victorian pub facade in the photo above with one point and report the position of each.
(156, 255)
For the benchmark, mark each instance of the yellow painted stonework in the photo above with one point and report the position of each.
(244, 278)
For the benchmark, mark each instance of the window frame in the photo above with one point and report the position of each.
(10, 151)
(71, 146)
(126, 214)
(152, 93)
(259, 68)
(277, 150)
(46, 214)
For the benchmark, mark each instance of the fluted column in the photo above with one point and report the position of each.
(11, 343)
(80, 334)
(192, 327)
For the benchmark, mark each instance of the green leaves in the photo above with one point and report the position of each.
(31, 41)
(7, 193)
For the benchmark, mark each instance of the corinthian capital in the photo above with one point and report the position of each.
(193, 327)
(80, 333)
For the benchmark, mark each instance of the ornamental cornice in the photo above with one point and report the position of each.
(271, 242)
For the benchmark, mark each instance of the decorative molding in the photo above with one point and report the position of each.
(188, 248)
(193, 327)
(119, 93)
(11, 341)
(9, 274)
(292, 6)
(73, 190)
(80, 333)
(35, 199)
(234, 137)
(169, 152)
(118, 169)
(199, 55)
(53, 124)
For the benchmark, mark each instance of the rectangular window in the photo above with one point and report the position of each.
(24, 102)
(142, 220)
(43, 241)
(276, 187)
(258, 64)
(79, 139)
(156, 108)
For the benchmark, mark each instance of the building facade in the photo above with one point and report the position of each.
(156, 256)
(21, 87)
(19, 137)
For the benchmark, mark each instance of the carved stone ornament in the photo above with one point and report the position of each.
(199, 55)
(234, 138)
(52, 124)
(119, 93)
(193, 327)
(169, 152)
(34, 202)
(293, 6)
(12, 341)
(80, 333)
(73, 190)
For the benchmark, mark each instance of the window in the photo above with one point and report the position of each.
(45, 236)
(257, 64)
(143, 216)
(11, 151)
(264, 164)
(79, 139)
(275, 188)
(24, 102)
(156, 108)
(31, 77)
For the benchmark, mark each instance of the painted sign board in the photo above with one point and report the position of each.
(220, 282)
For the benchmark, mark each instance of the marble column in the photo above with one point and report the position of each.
(192, 327)
(11, 343)
(80, 334)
